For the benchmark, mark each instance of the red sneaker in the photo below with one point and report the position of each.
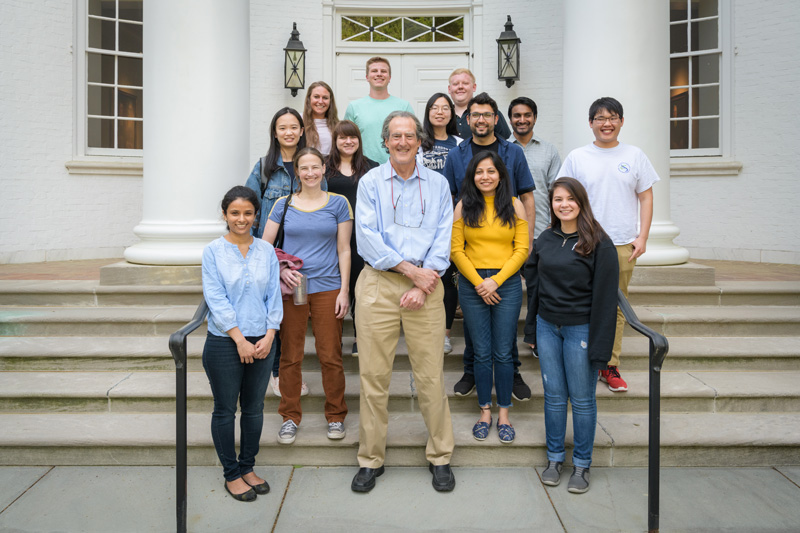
(615, 382)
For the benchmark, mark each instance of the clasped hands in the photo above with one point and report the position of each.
(248, 351)
(425, 281)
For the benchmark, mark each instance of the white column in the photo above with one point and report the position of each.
(620, 48)
(196, 124)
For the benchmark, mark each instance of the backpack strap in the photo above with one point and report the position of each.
(264, 179)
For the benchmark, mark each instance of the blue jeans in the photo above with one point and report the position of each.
(567, 374)
(234, 382)
(494, 333)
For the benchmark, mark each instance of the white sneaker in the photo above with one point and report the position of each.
(304, 389)
(336, 430)
(448, 346)
(287, 433)
(273, 382)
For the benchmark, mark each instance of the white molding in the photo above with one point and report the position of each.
(105, 168)
(682, 168)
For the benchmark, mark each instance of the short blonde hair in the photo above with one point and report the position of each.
(379, 59)
(458, 71)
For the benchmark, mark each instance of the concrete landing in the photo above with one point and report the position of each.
(122, 499)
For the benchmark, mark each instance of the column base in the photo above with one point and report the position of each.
(172, 244)
(660, 248)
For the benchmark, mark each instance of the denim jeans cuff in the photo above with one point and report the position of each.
(581, 463)
(557, 457)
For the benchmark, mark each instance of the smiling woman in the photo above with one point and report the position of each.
(320, 116)
(317, 227)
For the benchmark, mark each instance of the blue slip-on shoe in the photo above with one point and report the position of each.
(506, 433)
(481, 430)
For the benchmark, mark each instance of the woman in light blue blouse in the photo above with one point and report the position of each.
(241, 285)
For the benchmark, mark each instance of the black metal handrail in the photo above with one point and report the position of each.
(177, 346)
(659, 346)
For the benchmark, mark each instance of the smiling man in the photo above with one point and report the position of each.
(619, 179)
(543, 159)
(404, 217)
(462, 86)
(369, 112)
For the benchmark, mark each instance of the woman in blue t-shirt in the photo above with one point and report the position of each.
(441, 136)
(317, 227)
(241, 286)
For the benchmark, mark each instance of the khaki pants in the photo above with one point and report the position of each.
(378, 319)
(625, 273)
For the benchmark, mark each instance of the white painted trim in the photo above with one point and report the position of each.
(710, 166)
(106, 167)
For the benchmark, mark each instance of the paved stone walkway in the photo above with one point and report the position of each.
(138, 499)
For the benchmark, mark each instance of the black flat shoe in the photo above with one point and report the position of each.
(249, 496)
(443, 478)
(261, 488)
(365, 479)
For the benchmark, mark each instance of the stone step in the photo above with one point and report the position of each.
(91, 293)
(152, 353)
(151, 392)
(694, 439)
(672, 321)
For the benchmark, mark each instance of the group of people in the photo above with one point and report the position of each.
(396, 220)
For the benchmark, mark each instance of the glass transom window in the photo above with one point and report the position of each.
(410, 29)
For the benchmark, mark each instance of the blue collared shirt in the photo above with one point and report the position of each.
(399, 220)
(242, 291)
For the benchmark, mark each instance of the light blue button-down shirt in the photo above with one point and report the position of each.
(242, 291)
(399, 220)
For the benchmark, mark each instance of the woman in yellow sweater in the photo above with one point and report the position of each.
(489, 245)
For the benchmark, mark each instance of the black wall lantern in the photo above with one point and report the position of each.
(508, 55)
(294, 66)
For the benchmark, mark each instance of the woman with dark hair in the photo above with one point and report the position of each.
(345, 165)
(241, 285)
(441, 136)
(317, 229)
(320, 116)
(273, 177)
(489, 245)
(572, 277)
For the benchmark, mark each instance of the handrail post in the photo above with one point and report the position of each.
(659, 346)
(177, 347)
(654, 444)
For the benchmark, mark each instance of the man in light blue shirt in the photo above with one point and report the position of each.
(404, 217)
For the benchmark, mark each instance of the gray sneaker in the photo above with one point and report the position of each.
(552, 474)
(336, 430)
(288, 432)
(448, 345)
(579, 480)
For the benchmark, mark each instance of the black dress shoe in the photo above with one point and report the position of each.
(443, 478)
(249, 496)
(261, 488)
(365, 479)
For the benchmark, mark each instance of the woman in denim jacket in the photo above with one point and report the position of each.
(273, 174)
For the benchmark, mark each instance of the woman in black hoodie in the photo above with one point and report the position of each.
(572, 278)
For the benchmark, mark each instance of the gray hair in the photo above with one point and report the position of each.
(402, 114)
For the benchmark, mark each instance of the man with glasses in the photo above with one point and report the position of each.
(619, 179)
(404, 218)
(483, 116)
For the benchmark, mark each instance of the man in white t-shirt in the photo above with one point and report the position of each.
(369, 112)
(619, 180)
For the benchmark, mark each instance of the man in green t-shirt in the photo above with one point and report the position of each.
(369, 112)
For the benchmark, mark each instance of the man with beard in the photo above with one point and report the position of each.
(543, 159)
(483, 115)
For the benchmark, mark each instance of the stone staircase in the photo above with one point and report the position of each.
(86, 378)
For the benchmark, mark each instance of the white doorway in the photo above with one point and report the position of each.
(415, 77)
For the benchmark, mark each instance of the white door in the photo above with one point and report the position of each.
(415, 77)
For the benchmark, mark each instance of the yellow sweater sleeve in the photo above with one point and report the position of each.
(458, 254)
(520, 254)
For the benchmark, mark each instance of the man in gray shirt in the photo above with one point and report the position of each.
(542, 157)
